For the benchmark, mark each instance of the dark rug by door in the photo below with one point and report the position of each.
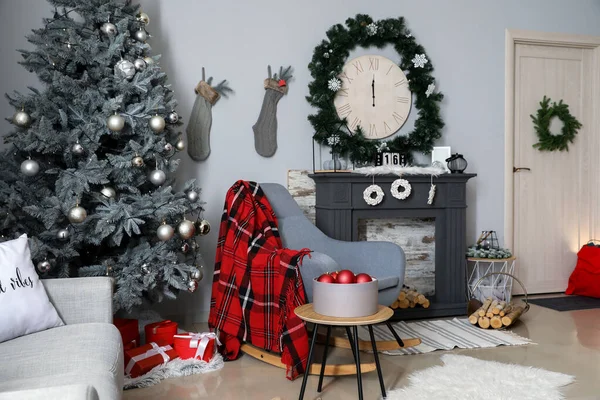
(567, 303)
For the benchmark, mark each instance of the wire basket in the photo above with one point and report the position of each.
(475, 303)
(483, 285)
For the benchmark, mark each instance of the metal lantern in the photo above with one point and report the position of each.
(457, 164)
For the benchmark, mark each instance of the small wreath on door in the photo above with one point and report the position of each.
(541, 123)
(401, 194)
(373, 195)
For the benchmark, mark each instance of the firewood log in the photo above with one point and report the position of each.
(412, 304)
(401, 296)
(506, 310)
(403, 303)
(516, 312)
(483, 310)
(421, 299)
(426, 303)
(490, 310)
(395, 304)
(484, 322)
(499, 307)
(496, 322)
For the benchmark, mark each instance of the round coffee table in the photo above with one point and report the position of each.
(308, 314)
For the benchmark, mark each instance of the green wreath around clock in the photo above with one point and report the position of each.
(541, 123)
(350, 128)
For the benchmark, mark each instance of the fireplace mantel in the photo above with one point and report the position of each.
(340, 206)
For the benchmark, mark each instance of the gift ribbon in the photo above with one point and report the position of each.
(156, 349)
(200, 341)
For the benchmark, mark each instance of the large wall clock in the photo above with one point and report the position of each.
(374, 95)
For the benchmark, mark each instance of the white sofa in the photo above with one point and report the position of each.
(81, 360)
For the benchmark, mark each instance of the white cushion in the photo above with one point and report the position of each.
(24, 304)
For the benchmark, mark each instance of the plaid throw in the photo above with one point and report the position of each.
(257, 284)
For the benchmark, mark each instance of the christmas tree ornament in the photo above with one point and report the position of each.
(431, 194)
(143, 18)
(185, 247)
(192, 195)
(198, 128)
(137, 161)
(180, 144)
(192, 286)
(77, 149)
(265, 128)
(108, 192)
(168, 147)
(62, 234)
(173, 117)
(203, 227)
(141, 35)
(196, 275)
(149, 60)
(334, 84)
(115, 122)
(139, 64)
(401, 194)
(186, 229)
(165, 232)
(77, 214)
(30, 167)
(157, 177)
(21, 119)
(419, 60)
(157, 124)
(146, 268)
(44, 266)
(109, 29)
(125, 69)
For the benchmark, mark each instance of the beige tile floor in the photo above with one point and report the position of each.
(567, 342)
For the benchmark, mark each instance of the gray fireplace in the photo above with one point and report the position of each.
(340, 207)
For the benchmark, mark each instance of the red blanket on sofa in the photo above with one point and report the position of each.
(257, 284)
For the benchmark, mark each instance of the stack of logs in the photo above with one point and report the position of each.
(496, 314)
(409, 298)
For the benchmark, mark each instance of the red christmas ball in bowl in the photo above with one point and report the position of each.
(345, 276)
(334, 275)
(326, 278)
(363, 278)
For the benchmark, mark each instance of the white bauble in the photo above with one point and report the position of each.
(62, 234)
(141, 35)
(192, 195)
(137, 161)
(30, 167)
(165, 232)
(21, 119)
(108, 192)
(180, 144)
(77, 149)
(77, 214)
(109, 29)
(157, 177)
(115, 123)
(125, 69)
(139, 64)
(157, 124)
(186, 229)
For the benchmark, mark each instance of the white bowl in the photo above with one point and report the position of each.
(345, 299)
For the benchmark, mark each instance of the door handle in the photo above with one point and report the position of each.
(515, 169)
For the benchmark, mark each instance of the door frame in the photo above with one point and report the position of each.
(512, 38)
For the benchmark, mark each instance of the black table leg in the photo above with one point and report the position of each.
(310, 354)
(320, 387)
(400, 342)
(357, 359)
(351, 341)
(381, 384)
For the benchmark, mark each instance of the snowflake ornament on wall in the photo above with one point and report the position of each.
(430, 89)
(372, 29)
(419, 61)
(334, 84)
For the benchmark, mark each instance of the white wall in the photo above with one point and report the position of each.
(235, 40)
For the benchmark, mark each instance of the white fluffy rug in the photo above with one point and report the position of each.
(467, 378)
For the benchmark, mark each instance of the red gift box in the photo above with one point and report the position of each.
(201, 346)
(130, 333)
(161, 332)
(142, 359)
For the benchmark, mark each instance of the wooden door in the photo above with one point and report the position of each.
(555, 203)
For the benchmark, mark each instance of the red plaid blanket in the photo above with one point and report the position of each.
(257, 284)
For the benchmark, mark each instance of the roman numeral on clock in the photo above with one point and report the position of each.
(401, 99)
(386, 128)
(400, 82)
(345, 75)
(358, 67)
(399, 118)
(373, 64)
(342, 92)
(354, 123)
(373, 130)
(344, 110)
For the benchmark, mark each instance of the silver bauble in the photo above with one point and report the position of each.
(137, 161)
(165, 232)
(141, 35)
(185, 247)
(62, 234)
(115, 123)
(30, 167)
(44, 266)
(180, 144)
(168, 147)
(157, 177)
(109, 29)
(186, 229)
(77, 149)
(143, 18)
(173, 117)
(149, 60)
(197, 275)
(21, 119)
(108, 192)
(77, 214)
(125, 69)
(203, 227)
(146, 268)
(157, 124)
(139, 64)
(192, 195)
(192, 286)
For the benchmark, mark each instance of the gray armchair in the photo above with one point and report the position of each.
(383, 260)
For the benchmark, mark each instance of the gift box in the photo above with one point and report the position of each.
(161, 332)
(130, 333)
(201, 346)
(142, 359)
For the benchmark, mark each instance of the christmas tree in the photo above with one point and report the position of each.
(90, 162)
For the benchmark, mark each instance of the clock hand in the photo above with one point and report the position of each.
(373, 89)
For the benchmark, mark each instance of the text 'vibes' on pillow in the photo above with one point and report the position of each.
(24, 304)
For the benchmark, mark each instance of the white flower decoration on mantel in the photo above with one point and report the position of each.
(430, 89)
(381, 147)
(334, 84)
(370, 191)
(372, 29)
(401, 195)
(419, 61)
(333, 140)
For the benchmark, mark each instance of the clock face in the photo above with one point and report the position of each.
(374, 96)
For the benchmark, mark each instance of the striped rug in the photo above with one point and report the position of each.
(445, 335)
